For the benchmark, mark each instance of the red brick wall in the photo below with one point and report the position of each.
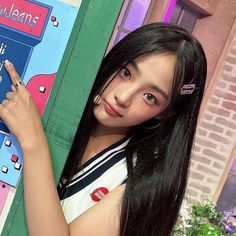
(216, 133)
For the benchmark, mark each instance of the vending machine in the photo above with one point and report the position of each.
(56, 47)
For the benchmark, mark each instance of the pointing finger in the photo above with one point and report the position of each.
(15, 78)
(12, 72)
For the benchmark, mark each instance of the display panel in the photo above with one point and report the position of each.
(33, 36)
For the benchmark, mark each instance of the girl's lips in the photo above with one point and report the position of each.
(111, 110)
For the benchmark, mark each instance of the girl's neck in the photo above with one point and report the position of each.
(115, 134)
(101, 138)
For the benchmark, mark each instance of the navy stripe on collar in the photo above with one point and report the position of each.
(78, 186)
(93, 168)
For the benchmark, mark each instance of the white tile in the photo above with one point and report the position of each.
(4, 169)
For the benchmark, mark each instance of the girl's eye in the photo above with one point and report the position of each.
(124, 72)
(150, 99)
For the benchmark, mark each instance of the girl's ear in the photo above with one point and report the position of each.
(158, 117)
(164, 115)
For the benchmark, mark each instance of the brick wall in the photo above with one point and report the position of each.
(216, 133)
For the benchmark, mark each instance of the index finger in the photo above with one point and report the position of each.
(15, 78)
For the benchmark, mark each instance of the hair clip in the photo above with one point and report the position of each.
(187, 89)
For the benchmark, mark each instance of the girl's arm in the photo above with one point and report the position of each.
(43, 210)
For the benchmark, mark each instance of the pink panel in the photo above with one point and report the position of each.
(23, 15)
(4, 189)
(40, 87)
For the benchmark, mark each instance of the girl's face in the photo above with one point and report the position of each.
(139, 92)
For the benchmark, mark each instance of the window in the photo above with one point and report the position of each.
(184, 16)
(131, 17)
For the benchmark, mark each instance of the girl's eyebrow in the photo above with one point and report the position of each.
(135, 66)
(158, 89)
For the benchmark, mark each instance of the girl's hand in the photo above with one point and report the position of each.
(19, 111)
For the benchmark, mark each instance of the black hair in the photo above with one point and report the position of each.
(156, 183)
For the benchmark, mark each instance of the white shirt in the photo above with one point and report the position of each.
(103, 172)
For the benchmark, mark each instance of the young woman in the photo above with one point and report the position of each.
(132, 146)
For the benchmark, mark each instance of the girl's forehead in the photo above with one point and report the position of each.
(154, 71)
(156, 67)
(157, 58)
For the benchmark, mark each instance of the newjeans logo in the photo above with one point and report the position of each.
(24, 15)
(16, 15)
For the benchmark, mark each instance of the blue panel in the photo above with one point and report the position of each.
(17, 53)
(21, 37)
(3, 128)
(1, 139)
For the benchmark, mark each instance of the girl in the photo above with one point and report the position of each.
(134, 141)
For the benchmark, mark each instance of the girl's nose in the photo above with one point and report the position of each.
(124, 95)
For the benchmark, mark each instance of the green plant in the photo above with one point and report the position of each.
(203, 219)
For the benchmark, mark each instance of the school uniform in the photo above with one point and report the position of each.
(101, 174)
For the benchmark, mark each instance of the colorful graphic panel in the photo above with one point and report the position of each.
(33, 36)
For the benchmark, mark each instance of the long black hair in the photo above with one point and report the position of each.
(156, 182)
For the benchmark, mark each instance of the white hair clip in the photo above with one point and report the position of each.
(187, 89)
